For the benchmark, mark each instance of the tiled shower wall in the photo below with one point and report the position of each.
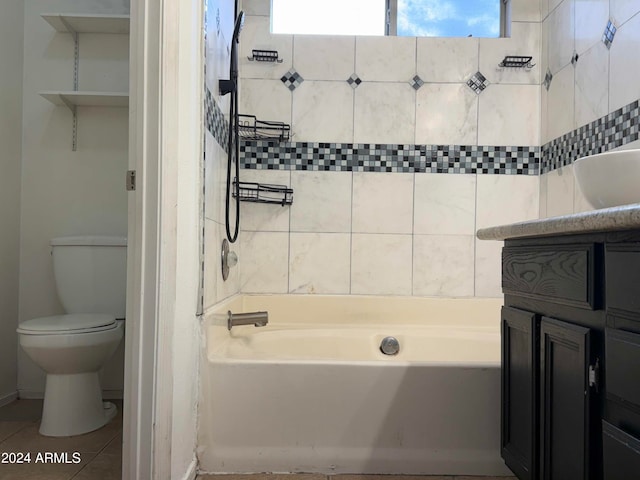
(219, 20)
(358, 231)
(593, 92)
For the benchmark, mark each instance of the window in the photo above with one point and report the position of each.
(328, 17)
(414, 18)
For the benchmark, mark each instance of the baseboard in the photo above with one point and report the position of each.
(191, 471)
(30, 394)
(8, 398)
(39, 395)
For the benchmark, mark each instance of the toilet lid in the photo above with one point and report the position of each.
(70, 323)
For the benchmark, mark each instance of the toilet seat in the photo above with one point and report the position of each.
(69, 324)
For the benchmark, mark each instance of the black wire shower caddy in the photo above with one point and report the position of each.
(250, 128)
(263, 193)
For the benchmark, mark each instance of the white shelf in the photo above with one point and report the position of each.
(87, 99)
(88, 23)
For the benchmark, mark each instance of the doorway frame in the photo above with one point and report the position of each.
(165, 123)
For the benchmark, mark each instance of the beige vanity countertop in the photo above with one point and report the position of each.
(626, 217)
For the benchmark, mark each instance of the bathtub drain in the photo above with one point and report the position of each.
(390, 346)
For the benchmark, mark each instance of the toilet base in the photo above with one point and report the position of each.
(73, 405)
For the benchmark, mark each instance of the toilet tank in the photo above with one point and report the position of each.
(91, 273)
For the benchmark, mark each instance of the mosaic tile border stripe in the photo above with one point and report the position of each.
(618, 128)
(347, 157)
(215, 121)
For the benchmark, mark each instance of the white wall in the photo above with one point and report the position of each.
(395, 233)
(186, 338)
(601, 81)
(11, 51)
(65, 192)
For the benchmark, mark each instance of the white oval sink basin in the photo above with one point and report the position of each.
(609, 179)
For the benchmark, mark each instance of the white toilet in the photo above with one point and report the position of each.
(90, 275)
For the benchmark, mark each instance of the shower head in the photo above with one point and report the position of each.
(238, 28)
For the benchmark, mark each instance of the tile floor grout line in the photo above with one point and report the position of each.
(85, 466)
(28, 424)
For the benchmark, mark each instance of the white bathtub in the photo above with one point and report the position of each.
(312, 392)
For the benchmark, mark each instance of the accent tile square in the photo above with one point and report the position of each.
(609, 34)
(416, 82)
(354, 81)
(292, 79)
(478, 82)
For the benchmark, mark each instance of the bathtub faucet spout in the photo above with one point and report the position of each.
(258, 319)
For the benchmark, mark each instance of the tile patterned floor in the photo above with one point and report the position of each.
(100, 451)
(313, 476)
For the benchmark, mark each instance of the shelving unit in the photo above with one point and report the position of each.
(250, 128)
(263, 193)
(118, 24)
(75, 25)
(87, 99)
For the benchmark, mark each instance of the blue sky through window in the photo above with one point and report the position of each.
(449, 18)
(416, 18)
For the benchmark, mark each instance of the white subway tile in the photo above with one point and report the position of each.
(266, 99)
(386, 59)
(211, 263)
(509, 115)
(624, 87)
(560, 185)
(321, 201)
(488, 280)
(320, 263)
(560, 103)
(211, 170)
(323, 112)
(553, 4)
(210, 46)
(381, 264)
(503, 199)
(324, 57)
(524, 40)
(545, 136)
(591, 18)
(543, 195)
(384, 113)
(444, 204)
(544, 49)
(256, 35)
(256, 7)
(544, 9)
(525, 10)
(446, 59)
(382, 202)
(561, 35)
(623, 10)
(443, 265)
(264, 262)
(446, 114)
(592, 85)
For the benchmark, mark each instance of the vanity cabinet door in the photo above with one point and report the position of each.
(519, 436)
(566, 402)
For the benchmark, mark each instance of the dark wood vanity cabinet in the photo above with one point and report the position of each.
(571, 357)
